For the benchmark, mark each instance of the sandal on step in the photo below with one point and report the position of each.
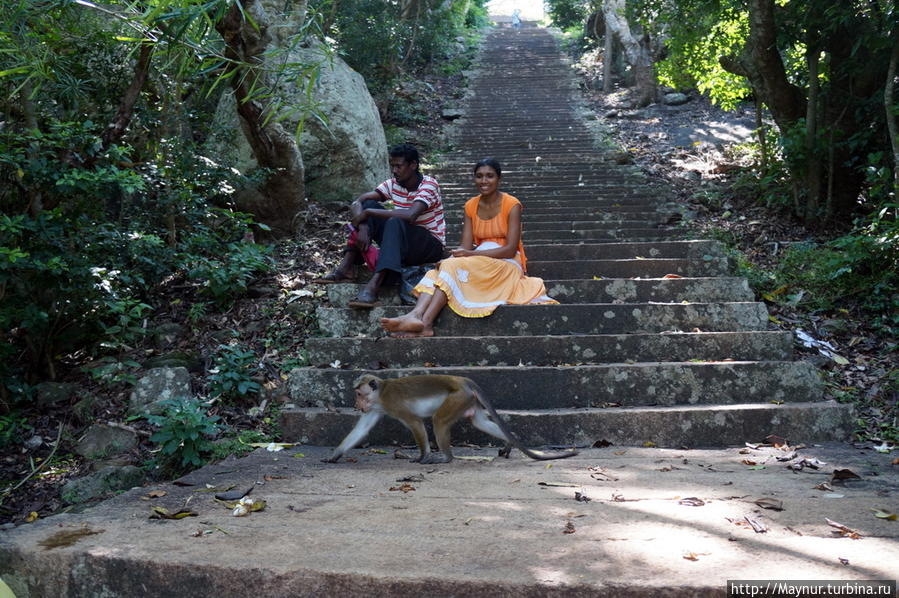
(364, 300)
(333, 278)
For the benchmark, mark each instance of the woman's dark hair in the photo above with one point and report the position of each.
(407, 152)
(491, 163)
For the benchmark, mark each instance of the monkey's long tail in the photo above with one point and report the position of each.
(512, 438)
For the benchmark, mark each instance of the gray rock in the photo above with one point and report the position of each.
(452, 113)
(176, 359)
(345, 158)
(51, 393)
(33, 442)
(675, 99)
(102, 440)
(158, 385)
(167, 334)
(83, 410)
(102, 483)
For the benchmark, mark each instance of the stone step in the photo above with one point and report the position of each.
(535, 320)
(444, 351)
(643, 268)
(455, 226)
(556, 209)
(627, 234)
(584, 386)
(607, 290)
(672, 427)
(703, 249)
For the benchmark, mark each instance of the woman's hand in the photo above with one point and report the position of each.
(460, 252)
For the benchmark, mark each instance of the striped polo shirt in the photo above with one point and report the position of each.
(429, 192)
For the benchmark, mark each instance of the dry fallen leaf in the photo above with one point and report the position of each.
(569, 528)
(770, 503)
(884, 515)
(581, 497)
(691, 501)
(843, 530)
(163, 513)
(694, 556)
(156, 493)
(405, 488)
(33, 516)
(824, 486)
(845, 474)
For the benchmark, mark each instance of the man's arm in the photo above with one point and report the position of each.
(409, 214)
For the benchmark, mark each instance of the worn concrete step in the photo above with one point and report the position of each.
(550, 210)
(642, 268)
(628, 234)
(581, 386)
(532, 224)
(443, 351)
(534, 320)
(557, 210)
(607, 290)
(696, 250)
(672, 427)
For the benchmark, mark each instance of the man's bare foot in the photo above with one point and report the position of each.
(425, 332)
(406, 323)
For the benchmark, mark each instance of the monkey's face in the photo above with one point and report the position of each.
(366, 395)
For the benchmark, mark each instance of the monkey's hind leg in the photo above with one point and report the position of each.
(482, 422)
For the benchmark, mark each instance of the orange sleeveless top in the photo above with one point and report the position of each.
(497, 228)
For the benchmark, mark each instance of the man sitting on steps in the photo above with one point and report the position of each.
(410, 234)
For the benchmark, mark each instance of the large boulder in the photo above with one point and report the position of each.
(343, 158)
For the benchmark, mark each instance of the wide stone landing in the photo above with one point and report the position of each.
(649, 523)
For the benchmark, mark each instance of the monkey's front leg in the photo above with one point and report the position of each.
(356, 435)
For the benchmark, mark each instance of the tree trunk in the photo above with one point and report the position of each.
(814, 169)
(890, 107)
(116, 129)
(607, 56)
(277, 200)
(637, 51)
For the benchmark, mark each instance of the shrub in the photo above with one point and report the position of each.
(184, 431)
(232, 374)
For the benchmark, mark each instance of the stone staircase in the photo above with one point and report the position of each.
(653, 341)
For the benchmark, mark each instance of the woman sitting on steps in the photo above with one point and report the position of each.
(488, 270)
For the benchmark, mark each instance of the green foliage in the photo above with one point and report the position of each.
(239, 445)
(567, 14)
(226, 278)
(693, 52)
(232, 374)
(184, 431)
(13, 428)
(78, 274)
(857, 269)
(381, 42)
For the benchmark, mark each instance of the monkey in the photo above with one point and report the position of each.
(443, 398)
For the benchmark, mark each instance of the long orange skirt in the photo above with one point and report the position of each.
(476, 285)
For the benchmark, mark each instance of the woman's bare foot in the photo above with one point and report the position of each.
(406, 323)
(424, 332)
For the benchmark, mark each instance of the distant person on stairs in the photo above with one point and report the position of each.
(410, 234)
(486, 271)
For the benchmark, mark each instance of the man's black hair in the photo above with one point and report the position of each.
(407, 152)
